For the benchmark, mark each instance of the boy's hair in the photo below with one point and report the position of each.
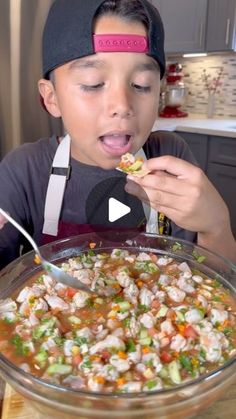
(68, 32)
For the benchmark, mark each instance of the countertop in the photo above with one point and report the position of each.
(198, 124)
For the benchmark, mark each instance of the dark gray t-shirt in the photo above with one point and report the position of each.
(24, 176)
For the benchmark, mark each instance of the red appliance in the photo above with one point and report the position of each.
(175, 92)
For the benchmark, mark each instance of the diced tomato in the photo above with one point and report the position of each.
(155, 304)
(165, 357)
(152, 331)
(105, 355)
(77, 359)
(153, 257)
(70, 292)
(190, 332)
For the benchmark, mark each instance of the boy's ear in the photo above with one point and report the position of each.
(48, 93)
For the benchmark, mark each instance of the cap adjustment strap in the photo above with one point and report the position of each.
(120, 43)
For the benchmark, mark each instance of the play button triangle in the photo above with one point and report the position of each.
(116, 210)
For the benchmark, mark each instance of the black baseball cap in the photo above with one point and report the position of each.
(68, 33)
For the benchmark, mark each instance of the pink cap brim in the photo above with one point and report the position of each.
(120, 43)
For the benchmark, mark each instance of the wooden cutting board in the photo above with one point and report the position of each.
(15, 407)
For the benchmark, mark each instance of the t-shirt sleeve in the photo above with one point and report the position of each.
(12, 200)
(164, 143)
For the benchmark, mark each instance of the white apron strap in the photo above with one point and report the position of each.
(150, 213)
(56, 188)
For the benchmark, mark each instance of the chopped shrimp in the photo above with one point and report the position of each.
(80, 299)
(131, 293)
(178, 343)
(210, 343)
(84, 275)
(193, 316)
(110, 341)
(147, 320)
(176, 294)
(122, 365)
(186, 285)
(7, 305)
(56, 302)
(218, 316)
(146, 297)
(162, 261)
(167, 327)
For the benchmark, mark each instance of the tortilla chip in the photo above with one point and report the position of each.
(138, 173)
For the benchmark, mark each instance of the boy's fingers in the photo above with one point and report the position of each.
(155, 197)
(3, 221)
(170, 164)
(163, 182)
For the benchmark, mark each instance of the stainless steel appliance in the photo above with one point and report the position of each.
(22, 118)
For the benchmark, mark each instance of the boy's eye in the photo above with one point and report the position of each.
(140, 88)
(88, 87)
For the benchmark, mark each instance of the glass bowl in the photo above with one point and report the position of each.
(185, 400)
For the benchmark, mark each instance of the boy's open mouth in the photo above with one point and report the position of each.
(116, 144)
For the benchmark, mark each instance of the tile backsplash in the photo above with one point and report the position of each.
(196, 102)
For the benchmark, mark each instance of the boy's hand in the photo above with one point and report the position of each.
(3, 221)
(183, 193)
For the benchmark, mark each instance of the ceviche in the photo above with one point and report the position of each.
(132, 165)
(167, 324)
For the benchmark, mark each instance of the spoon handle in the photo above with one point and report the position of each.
(22, 230)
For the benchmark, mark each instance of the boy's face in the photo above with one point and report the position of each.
(108, 101)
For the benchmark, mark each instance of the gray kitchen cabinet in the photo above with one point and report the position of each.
(198, 144)
(217, 157)
(221, 25)
(185, 24)
(224, 179)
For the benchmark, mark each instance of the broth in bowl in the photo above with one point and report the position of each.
(167, 324)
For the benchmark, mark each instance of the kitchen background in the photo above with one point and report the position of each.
(197, 97)
(191, 26)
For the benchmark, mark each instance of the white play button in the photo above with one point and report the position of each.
(116, 210)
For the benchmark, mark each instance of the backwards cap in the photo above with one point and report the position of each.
(68, 33)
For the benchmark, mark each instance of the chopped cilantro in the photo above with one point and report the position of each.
(198, 257)
(185, 361)
(151, 384)
(217, 298)
(79, 340)
(176, 246)
(130, 346)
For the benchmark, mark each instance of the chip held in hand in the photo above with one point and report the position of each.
(132, 165)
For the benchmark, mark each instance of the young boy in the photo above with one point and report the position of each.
(102, 64)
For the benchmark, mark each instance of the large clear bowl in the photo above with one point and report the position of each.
(187, 400)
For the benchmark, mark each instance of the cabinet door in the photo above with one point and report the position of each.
(198, 145)
(224, 179)
(184, 23)
(221, 22)
(222, 150)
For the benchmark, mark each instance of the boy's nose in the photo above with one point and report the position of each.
(120, 104)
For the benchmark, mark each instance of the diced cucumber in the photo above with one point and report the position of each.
(180, 316)
(163, 311)
(124, 305)
(60, 369)
(74, 320)
(135, 166)
(145, 341)
(173, 368)
(41, 357)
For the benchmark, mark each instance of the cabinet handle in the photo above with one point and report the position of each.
(227, 32)
(200, 34)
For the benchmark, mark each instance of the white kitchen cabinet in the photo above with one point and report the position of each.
(221, 25)
(184, 23)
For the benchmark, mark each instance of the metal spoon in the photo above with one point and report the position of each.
(54, 271)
